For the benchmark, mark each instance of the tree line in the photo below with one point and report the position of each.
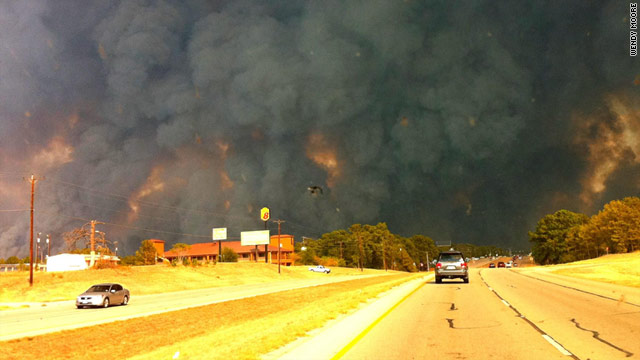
(375, 247)
(566, 236)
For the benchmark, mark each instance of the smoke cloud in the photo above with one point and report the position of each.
(465, 122)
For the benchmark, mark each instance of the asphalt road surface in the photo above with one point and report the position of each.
(504, 314)
(64, 315)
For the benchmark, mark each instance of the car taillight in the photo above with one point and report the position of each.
(464, 265)
(438, 265)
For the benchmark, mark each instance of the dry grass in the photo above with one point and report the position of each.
(621, 269)
(14, 286)
(241, 329)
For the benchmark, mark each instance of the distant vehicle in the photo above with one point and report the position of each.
(515, 264)
(451, 264)
(509, 264)
(320, 268)
(501, 264)
(492, 265)
(103, 295)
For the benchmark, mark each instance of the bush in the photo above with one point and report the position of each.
(327, 261)
(228, 255)
(106, 265)
(12, 260)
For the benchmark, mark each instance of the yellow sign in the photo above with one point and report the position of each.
(264, 214)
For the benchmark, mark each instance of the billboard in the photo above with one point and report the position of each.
(260, 237)
(219, 234)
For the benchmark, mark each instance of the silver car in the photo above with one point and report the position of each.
(451, 265)
(103, 295)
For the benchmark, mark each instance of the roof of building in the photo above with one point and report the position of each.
(211, 248)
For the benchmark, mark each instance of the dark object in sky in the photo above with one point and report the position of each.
(315, 190)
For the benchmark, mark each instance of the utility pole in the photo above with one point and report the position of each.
(33, 181)
(360, 248)
(384, 256)
(48, 246)
(279, 244)
(92, 236)
(266, 247)
(428, 269)
(37, 250)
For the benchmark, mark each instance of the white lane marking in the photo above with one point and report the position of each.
(490, 288)
(506, 303)
(556, 345)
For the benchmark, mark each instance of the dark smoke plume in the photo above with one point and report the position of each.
(463, 121)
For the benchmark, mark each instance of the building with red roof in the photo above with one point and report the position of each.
(209, 251)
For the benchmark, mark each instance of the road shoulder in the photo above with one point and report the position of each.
(326, 342)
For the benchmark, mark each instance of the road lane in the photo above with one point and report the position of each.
(64, 315)
(588, 325)
(453, 320)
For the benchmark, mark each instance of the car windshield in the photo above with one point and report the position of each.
(450, 257)
(99, 288)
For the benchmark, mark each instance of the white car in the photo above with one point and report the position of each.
(509, 264)
(320, 268)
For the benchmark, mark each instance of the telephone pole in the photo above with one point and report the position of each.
(279, 244)
(33, 180)
(92, 236)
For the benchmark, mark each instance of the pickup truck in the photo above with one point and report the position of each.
(320, 268)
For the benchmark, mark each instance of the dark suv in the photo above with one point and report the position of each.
(451, 265)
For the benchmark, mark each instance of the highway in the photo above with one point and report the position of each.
(64, 315)
(500, 314)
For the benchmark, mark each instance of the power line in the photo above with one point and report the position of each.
(148, 203)
(133, 227)
(103, 208)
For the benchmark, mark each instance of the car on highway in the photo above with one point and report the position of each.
(451, 265)
(509, 264)
(103, 295)
(501, 264)
(320, 268)
(492, 265)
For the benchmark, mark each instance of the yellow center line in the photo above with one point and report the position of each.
(366, 331)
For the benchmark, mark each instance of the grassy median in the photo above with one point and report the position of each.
(142, 280)
(240, 329)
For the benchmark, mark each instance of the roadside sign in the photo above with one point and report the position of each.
(264, 214)
(219, 234)
(260, 237)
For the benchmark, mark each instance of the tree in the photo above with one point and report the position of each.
(425, 245)
(550, 238)
(147, 253)
(82, 235)
(229, 255)
(181, 249)
(616, 227)
(12, 260)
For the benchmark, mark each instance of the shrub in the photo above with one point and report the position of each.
(106, 265)
(229, 255)
(327, 261)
